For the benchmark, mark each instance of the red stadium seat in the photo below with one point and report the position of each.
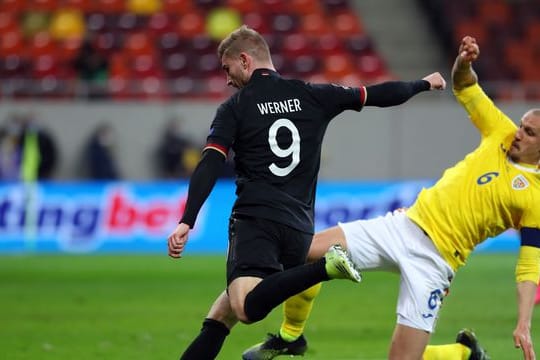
(177, 7)
(111, 6)
(8, 22)
(43, 5)
(296, 45)
(42, 44)
(161, 23)
(337, 66)
(258, 22)
(243, 6)
(347, 24)
(314, 24)
(138, 43)
(85, 6)
(494, 12)
(12, 43)
(13, 6)
(472, 28)
(305, 7)
(329, 44)
(190, 24)
(68, 49)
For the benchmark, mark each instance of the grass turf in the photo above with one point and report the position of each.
(150, 307)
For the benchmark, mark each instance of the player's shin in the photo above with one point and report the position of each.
(208, 343)
(296, 311)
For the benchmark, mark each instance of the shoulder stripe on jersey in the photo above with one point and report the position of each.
(530, 237)
(363, 95)
(222, 149)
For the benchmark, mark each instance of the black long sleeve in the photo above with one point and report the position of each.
(202, 182)
(393, 93)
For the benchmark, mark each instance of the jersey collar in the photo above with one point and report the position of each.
(533, 169)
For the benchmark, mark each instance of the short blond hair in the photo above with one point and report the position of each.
(244, 39)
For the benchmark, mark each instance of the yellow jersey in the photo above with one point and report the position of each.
(484, 194)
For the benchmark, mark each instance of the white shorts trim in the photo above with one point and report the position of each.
(395, 243)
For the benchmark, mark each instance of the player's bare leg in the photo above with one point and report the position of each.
(408, 343)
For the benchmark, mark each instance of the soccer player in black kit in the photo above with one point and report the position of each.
(275, 127)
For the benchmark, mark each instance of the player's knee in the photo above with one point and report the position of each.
(240, 314)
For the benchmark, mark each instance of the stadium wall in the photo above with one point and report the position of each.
(417, 140)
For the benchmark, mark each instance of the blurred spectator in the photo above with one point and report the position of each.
(176, 155)
(27, 151)
(92, 67)
(99, 154)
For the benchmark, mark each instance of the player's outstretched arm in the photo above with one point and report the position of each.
(392, 93)
(463, 74)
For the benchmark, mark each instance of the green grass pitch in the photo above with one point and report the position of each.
(150, 307)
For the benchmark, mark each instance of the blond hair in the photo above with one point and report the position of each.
(244, 39)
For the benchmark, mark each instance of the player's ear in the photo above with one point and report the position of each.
(244, 60)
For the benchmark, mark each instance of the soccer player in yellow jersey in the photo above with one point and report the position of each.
(494, 188)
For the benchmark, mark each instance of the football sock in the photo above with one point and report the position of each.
(278, 287)
(296, 311)
(208, 343)
(445, 352)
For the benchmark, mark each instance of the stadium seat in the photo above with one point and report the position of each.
(304, 66)
(329, 44)
(14, 66)
(176, 65)
(68, 49)
(43, 5)
(202, 45)
(8, 22)
(138, 43)
(12, 43)
(177, 7)
(346, 24)
(127, 23)
(16, 7)
(284, 24)
(337, 66)
(111, 6)
(161, 23)
(243, 6)
(85, 6)
(170, 42)
(296, 44)
(304, 7)
(314, 24)
(472, 28)
(371, 67)
(258, 22)
(274, 6)
(42, 44)
(494, 12)
(190, 24)
(359, 45)
(107, 43)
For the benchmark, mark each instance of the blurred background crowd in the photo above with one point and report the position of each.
(163, 52)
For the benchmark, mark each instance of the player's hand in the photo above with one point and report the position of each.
(522, 340)
(436, 81)
(468, 50)
(178, 240)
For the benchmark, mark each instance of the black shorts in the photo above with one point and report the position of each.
(260, 247)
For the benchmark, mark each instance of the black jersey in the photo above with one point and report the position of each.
(275, 127)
